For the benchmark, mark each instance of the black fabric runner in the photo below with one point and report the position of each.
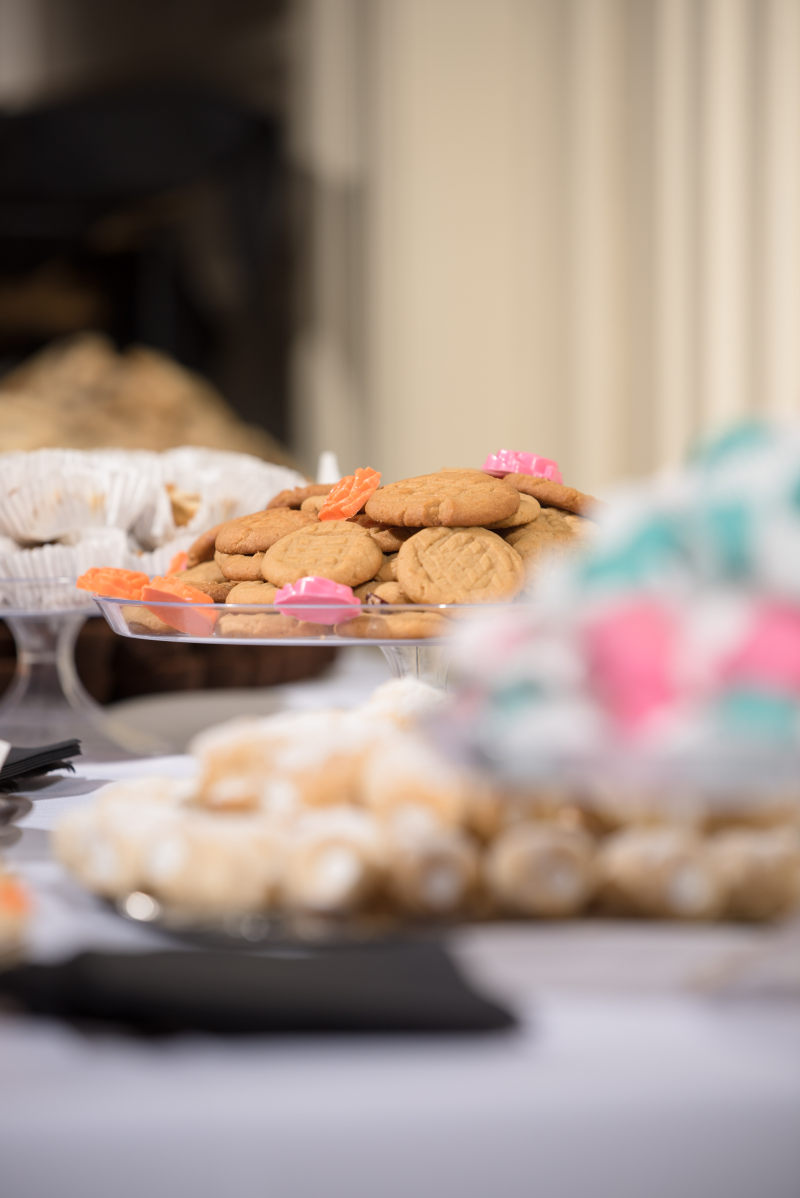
(405, 987)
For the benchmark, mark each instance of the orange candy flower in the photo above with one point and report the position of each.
(114, 582)
(13, 897)
(191, 620)
(179, 563)
(349, 495)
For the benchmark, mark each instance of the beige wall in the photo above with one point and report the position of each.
(563, 225)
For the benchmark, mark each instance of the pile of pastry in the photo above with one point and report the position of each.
(82, 392)
(343, 814)
(460, 537)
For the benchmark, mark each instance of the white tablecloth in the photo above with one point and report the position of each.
(634, 1073)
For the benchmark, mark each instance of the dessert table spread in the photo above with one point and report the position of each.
(652, 1059)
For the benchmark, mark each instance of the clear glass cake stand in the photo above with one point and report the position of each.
(46, 700)
(425, 658)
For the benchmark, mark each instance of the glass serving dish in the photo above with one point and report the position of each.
(274, 931)
(422, 653)
(46, 700)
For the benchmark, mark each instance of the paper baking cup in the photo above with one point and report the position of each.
(40, 579)
(156, 561)
(228, 484)
(20, 465)
(34, 579)
(47, 506)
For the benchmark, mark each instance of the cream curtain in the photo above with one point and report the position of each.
(574, 227)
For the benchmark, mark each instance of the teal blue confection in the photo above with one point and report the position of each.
(654, 546)
(729, 531)
(757, 714)
(741, 439)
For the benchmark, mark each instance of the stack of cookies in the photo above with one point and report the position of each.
(456, 537)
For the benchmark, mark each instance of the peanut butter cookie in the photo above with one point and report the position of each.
(527, 511)
(450, 499)
(266, 626)
(240, 567)
(387, 536)
(459, 565)
(313, 504)
(550, 494)
(202, 549)
(256, 532)
(336, 549)
(208, 577)
(252, 592)
(396, 626)
(295, 495)
(548, 535)
(386, 592)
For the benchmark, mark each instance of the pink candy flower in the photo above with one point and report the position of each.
(320, 600)
(511, 461)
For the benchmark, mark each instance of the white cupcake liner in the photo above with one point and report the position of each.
(229, 485)
(58, 495)
(20, 465)
(43, 578)
(155, 525)
(156, 562)
(49, 504)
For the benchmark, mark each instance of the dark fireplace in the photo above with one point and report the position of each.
(154, 210)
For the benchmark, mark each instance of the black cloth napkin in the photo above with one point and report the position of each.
(398, 987)
(28, 761)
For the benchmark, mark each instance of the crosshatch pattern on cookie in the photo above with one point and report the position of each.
(336, 549)
(459, 565)
(551, 533)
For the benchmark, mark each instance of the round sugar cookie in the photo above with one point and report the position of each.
(540, 870)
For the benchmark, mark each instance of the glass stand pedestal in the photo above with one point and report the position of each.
(46, 701)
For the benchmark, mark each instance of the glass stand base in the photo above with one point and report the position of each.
(46, 701)
(428, 663)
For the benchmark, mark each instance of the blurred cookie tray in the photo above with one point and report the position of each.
(339, 824)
